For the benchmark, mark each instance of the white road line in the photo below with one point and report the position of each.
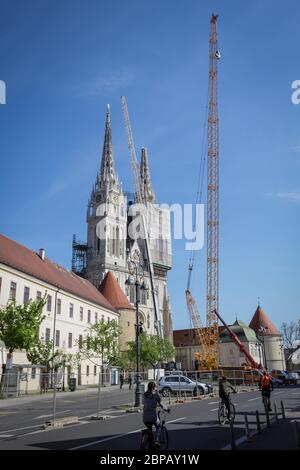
(212, 402)
(252, 399)
(118, 436)
(237, 443)
(215, 409)
(51, 414)
(20, 429)
(6, 435)
(277, 393)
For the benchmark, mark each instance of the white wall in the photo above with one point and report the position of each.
(64, 323)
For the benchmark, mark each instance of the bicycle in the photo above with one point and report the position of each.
(147, 438)
(223, 414)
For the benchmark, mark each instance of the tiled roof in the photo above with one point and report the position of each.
(187, 337)
(112, 291)
(21, 258)
(260, 319)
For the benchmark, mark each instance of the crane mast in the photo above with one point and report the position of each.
(212, 273)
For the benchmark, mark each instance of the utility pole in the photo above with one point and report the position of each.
(213, 171)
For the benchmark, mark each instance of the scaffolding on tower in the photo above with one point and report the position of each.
(79, 257)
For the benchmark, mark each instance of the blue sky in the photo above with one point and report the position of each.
(63, 61)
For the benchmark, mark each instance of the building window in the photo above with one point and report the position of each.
(71, 311)
(102, 318)
(26, 295)
(49, 303)
(81, 313)
(38, 295)
(0, 284)
(132, 294)
(108, 320)
(70, 340)
(80, 341)
(47, 335)
(57, 337)
(13, 291)
(96, 317)
(59, 306)
(89, 316)
(87, 371)
(33, 372)
(128, 323)
(95, 370)
(143, 296)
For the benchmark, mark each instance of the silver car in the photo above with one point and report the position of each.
(181, 384)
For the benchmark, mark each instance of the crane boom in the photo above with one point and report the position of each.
(249, 358)
(140, 200)
(133, 159)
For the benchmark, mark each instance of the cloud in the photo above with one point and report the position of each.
(293, 196)
(107, 82)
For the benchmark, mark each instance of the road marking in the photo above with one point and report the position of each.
(51, 414)
(117, 436)
(212, 402)
(6, 435)
(252, 399)
(20, 429)
(237, 443)
(277, 393)
(215, 409)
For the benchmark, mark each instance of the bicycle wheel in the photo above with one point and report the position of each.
(222, 414)
(232, 413)
(164, 440)
(145, 442)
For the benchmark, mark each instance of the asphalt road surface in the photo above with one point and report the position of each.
(191, 426)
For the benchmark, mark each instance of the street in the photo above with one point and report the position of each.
(191, 426)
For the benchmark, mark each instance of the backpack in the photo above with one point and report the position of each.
(265, 381)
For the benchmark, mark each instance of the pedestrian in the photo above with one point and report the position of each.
(121, 380)
(130, 380)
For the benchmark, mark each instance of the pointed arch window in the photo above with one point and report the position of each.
(117, 241)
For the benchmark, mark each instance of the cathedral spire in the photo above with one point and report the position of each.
(107, 177)
(146, 186)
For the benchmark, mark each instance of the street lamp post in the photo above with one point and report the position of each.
(262, 329)
(136, 271)
(64, 367)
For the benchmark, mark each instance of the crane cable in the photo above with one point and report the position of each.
(199, 193)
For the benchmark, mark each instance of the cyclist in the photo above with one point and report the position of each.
(266, 385)
(151, 401)
(224, 391)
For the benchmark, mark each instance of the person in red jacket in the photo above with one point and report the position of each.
(266, 385)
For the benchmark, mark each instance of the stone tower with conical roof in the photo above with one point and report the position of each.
(271, 338)
(106, 217)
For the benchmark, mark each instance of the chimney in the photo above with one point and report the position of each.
(42, 254)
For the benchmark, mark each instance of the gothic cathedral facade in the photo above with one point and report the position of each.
(110, 246)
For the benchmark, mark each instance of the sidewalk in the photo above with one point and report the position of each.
(279, 436)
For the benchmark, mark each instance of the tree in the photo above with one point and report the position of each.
(290, 333)
(19, 324)
(154, 350)
(42, 353)
(102, 343)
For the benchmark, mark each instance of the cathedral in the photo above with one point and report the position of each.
(111, 245)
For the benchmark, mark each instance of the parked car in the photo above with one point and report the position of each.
(292, 378)
(280, 376)
(172, 384)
